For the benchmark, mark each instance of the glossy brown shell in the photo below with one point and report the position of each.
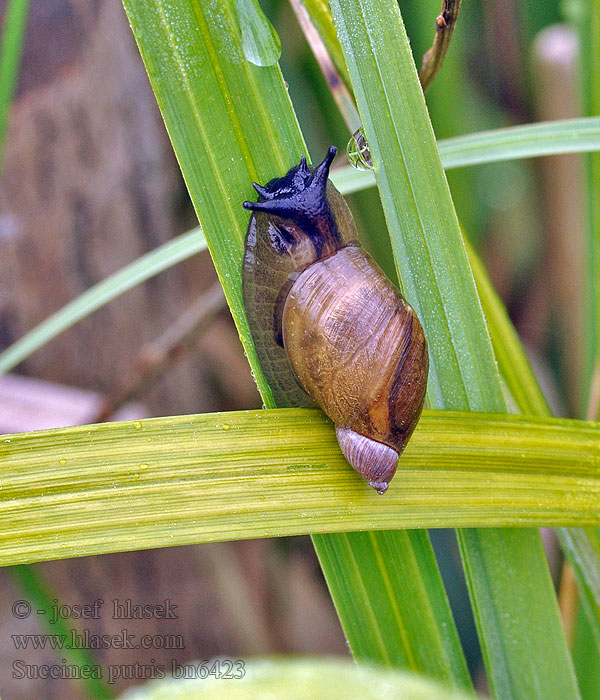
(357, 346)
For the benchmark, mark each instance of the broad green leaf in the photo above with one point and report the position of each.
(370, 590)
(300, 678)
(135, 273)
(527, 141)
(165, 481)
(367, 607)
(528, 659)
(231, 123)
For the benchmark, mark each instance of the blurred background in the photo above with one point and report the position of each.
(89, 183)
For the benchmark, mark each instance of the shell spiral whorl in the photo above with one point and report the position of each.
(327, 324)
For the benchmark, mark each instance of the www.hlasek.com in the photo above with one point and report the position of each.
(87, 640)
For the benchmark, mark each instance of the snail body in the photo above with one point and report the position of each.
(328, 326)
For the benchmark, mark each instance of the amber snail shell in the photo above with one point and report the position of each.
(327, 324)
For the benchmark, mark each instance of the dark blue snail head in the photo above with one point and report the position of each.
(298, 196)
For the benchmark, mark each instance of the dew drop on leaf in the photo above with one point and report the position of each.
(260, 41)
(358, 152)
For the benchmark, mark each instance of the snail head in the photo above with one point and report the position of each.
(299, 196)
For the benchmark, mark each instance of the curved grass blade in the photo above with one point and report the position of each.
(140, 270)
(496, 145)
(525, 141)
(182, 479)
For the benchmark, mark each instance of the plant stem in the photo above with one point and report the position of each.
(444, 28)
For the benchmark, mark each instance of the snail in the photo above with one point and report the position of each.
(327, 324)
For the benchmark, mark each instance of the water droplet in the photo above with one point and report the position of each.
(144, 466)
(260, 41)
(223, 426)
(62, 461)
(137, 425)
(358, 152)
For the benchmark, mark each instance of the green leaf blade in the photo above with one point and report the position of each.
(386, 552)
(419, 209)
(224, 133)
(433, 266)
(527, 603)
(184, 479)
